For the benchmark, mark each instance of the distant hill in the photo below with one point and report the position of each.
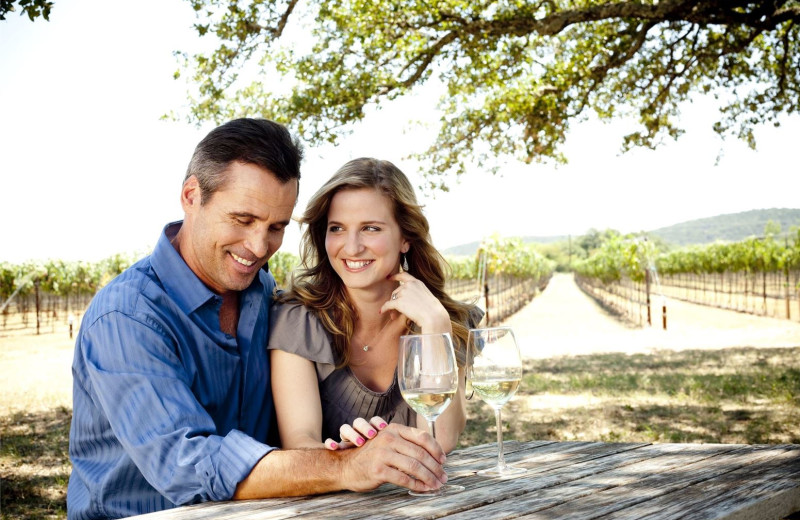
(462, 250)
(731, 227)
(471, 248)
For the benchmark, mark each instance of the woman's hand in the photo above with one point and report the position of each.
(415, 301)
(357, 434)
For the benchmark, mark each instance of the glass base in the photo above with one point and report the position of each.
(502, 471)
(447, 489)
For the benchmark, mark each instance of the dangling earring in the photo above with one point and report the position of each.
(405, 262)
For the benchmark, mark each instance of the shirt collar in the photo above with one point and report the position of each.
(179, 281)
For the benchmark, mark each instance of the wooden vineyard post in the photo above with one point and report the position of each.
(647, 289)
(486, 299)
(788, 299)
(36, 289)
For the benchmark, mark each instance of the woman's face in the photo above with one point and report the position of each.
(363, 240)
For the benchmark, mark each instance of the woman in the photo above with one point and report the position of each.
(370, 274)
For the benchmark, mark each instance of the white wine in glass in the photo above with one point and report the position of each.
(494, 368)
(427, 375)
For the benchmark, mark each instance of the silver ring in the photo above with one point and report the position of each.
(394, 296)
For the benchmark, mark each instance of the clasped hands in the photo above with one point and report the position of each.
(395, 453)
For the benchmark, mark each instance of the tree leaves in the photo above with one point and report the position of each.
(33, 8)
(515, 75)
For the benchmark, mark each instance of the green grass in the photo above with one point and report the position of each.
(737, 395)
(705, 376)
(34, 463)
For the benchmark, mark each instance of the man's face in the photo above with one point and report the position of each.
(229, 238)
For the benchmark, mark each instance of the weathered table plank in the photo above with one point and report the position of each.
(568, 484)
(662, 476)
(743, 493)
(618, 481)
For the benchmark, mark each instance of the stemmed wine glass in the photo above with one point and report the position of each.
(427, 375)
(494, 367)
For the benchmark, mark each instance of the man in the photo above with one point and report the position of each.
(171, 392)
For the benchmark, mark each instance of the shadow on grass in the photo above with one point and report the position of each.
(34, 464)
(738, 395)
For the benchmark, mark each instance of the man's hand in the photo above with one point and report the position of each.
(398, 455)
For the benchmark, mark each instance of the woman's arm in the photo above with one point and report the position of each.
(415, 301)
(295, 391)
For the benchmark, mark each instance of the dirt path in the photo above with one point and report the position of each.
(564, 321)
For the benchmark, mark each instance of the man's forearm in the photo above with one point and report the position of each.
(298, 472)
(399, 455)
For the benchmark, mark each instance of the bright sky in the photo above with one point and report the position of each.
(87, 168)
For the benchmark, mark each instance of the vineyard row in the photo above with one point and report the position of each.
(503, 277)
(774, 294)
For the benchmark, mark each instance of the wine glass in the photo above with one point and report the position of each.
(494, 367)
(427, 375)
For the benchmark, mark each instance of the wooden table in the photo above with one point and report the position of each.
(571, 480)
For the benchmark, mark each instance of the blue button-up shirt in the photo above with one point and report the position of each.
(167, 409)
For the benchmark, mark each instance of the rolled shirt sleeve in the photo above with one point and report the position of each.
(144, 390)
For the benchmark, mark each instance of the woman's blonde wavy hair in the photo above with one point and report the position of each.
(317, 286)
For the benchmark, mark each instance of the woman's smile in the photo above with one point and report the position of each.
(357, 265)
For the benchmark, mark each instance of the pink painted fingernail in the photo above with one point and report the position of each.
(334, 445)
(360, 441)
(382, 425)
(371, 433)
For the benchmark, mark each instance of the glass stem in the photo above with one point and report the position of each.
(431, 428)
(501, 461)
